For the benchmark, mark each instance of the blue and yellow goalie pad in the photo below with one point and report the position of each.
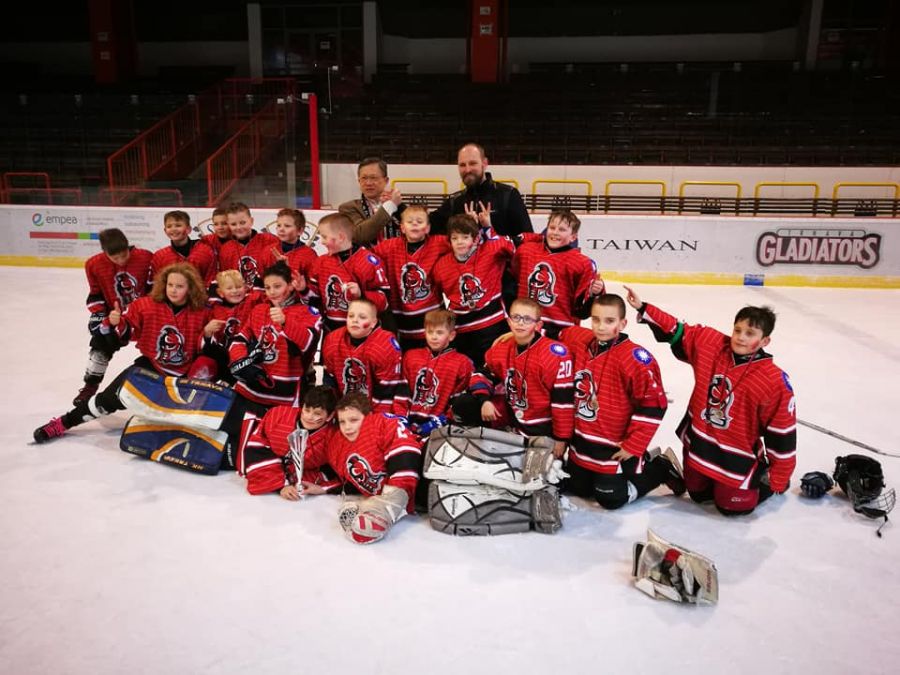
(198, 450)
(177, 400)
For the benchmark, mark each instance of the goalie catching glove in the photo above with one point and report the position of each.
(663, 570)
(368, 520)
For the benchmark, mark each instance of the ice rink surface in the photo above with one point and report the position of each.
(114, 564)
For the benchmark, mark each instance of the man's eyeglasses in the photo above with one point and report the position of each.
(370, 179)
(519, 318)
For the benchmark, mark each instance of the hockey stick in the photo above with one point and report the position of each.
(851, 441)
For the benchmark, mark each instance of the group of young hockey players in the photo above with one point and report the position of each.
(422, 330)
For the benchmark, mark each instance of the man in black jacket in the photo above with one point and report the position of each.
(483, 198)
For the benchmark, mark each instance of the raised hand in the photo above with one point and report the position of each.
(115, 316)
(633, 298)
(597, 285)
(213, 327)
(277, 315)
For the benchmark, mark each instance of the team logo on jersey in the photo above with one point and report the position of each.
(516, 389)
(414, 282)
(354, 376)
(268, 338)
(425, 387)
(361, 474)
(719, 398)
(249, 269)
(470, 290)
(585, 395)
(170, 346)
(541, 284)
(126, 288)
(232, 324)
(334, 294)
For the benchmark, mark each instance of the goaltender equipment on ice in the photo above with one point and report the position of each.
(479, 456)
(665, 571)
(368, 520)
(862, 480)
(192, 448)
(816, 484)
(176, 421)
(487, 481)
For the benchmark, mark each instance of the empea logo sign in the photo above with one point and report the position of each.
(37, 219)
(40, 219)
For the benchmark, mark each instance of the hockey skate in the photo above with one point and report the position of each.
(665, 571)
(673, 476)
(53, 429)
(84, 394)
(489, 457)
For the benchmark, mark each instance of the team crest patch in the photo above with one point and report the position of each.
(641, 355)
(542, 284)
(360, 472)
(267, 343)
(355, 377)
(414, 282)
(558, 349)
(787, 381)
(170, 346)
(425, 387)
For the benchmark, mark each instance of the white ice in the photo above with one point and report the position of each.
(113, 564)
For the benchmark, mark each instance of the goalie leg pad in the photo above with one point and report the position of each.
(488, 457)
(486, 510)
(179, 400)
(198, 450)
(664, 570)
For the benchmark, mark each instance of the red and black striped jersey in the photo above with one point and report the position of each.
(412, 292)
(170, 339)
(741, 409)
(370, 366)
(330, 274)
(537, 382)
(200, 255)
(248, 257)
(384, 453)
(473, 287)
(434, 381)
(283, 351)
(619, 399)
(234, 316)
(558, 280)
(264, 457)
(109, 283)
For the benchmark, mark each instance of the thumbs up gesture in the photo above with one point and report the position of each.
(597, 285)
(115, 316)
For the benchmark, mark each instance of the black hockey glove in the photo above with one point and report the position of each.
(95, 323)
(816, 484)
(251, 374)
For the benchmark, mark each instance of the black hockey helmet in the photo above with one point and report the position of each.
(862, 480)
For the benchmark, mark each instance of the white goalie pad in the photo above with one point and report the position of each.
(666, 571)
(478, 456)
(486, 510)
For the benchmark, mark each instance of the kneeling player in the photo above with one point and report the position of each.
(739, 432)
(374, 455)
(167, 325)
(268, 460)
(619, 403)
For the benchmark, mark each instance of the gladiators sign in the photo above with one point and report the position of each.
(819, 247)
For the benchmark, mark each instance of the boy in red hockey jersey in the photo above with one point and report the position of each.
(553, 272)
(535, 375)
(346, 272)
(619, 404)
(363, 358)
(375, 456)
(739, 433)
(236, 302)
(177, 227)
(275, 346)
(266, 460)
(248, 250)
(168, 326)
(221, 233)
(436, 374)
(289, 224)
(471, 277)
(119, 274)
(409, 261)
